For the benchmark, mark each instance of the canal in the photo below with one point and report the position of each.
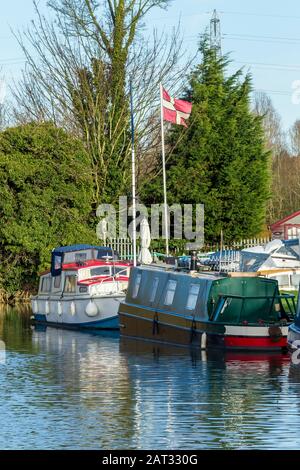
(70, 390)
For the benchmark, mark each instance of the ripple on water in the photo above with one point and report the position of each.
(63, 389)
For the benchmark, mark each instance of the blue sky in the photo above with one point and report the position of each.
(262, 36)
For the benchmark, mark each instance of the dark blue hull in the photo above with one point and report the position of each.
(106, 324)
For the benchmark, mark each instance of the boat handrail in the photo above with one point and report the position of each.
(283, 296)
(113, 277)
(118, 274)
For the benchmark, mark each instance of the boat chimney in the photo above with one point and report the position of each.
(193, 266)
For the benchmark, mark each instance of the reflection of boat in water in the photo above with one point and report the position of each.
(152, 395)
(83, 289)
(85, 357)
(234, 312)
(138, 347)
(223, 399)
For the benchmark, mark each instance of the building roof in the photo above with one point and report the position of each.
(284, 220)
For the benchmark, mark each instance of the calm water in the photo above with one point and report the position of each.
(63, 389)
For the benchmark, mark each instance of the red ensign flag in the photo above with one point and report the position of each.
(176, 111)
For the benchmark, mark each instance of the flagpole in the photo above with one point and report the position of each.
(133, 177)
(164, 170)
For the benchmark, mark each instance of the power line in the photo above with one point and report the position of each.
(249, 37)
(285, 67)
(255, 36)
(259, 14)
(276, 92)
(13, 59)
(261, 40)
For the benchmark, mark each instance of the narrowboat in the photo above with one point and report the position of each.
(233, 311)
(83, 288)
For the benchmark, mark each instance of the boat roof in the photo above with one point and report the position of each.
(93, 264)
(79, 247)
(89, 264)
(171, 269)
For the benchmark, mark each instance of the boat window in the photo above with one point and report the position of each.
(57, 280)
(46, 284)
(121, 270)
(100, 271)
(136, 285)
(153, 289)
(193, 296)
(80, 257)
(171, 287)
(70, 284)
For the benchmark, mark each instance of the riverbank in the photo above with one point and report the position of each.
(15, 298)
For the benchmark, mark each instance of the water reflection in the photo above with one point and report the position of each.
(67, 389)
(214, 400)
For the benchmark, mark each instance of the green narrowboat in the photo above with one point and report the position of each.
(237, 311)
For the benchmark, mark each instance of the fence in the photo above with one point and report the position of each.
(122, 245)
(237, 245)
(230, 252)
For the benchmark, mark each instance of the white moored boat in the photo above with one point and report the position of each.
(83, 289)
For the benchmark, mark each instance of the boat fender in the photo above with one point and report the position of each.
(35, 307)
(91, 309)
(203, 341)
(72, 308)
(47, 308)
(59, 309)
(155, 327)
(275, 333)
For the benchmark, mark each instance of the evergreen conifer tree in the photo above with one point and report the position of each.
(220, 159)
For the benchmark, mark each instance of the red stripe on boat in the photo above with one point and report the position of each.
(97, 280)
(253, 342)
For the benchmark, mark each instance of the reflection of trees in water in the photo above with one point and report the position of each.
(76, 379)
(15, 328)
(135, 394)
